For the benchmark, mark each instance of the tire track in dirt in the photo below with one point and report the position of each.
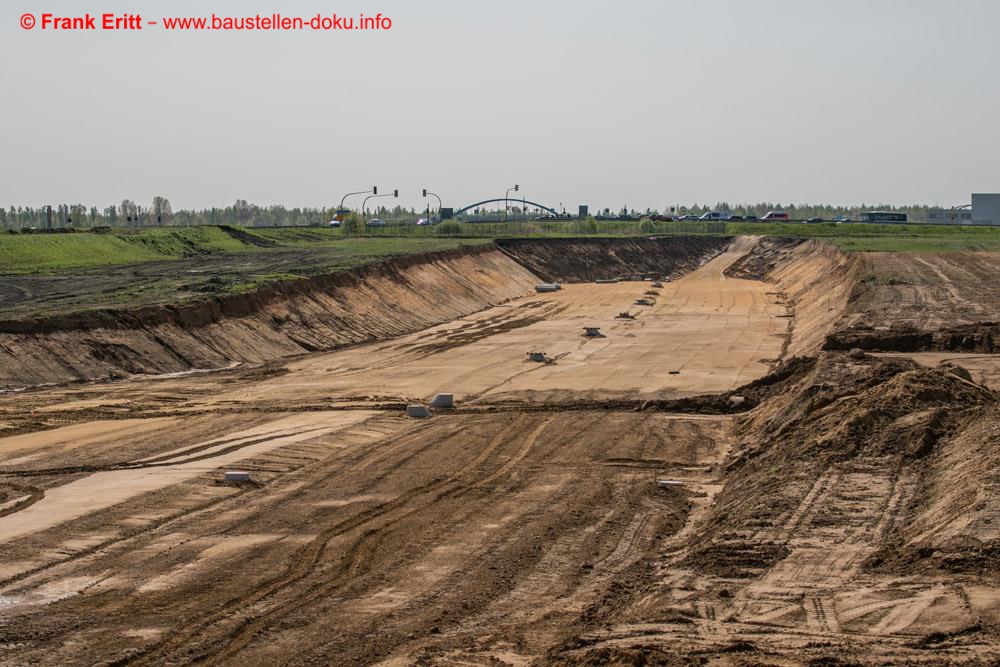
(839, 522)
(30, 496)
(304, 563)
(265, 497)
(165, 460)
(360, 551)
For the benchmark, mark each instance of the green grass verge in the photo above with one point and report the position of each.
(176, 242)
(52, 253)
(55, 253)
(887, 238)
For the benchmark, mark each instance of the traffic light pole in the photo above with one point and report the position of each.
(373, 191)
(431, 194)
(394, 193)
(506, 202)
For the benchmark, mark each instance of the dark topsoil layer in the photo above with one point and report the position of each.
(584, 260)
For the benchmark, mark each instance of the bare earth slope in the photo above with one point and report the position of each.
(371, 303)
(912, 302)
(841, 508)
(814, 282)
(583, 260)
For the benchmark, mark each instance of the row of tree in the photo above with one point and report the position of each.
(160, 212)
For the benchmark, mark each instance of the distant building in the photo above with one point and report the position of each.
(985, 209)
(880, 216)
(949, 216)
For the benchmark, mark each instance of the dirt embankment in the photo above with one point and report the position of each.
(856, 413)
(583, 260)
(371, 303)
(374, 302)
(923, 302)
(815, 281)
(954, 523)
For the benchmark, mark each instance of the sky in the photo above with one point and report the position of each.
(637, 103)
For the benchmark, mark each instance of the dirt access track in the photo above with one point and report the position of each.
(825, 507)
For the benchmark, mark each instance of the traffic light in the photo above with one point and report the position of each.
(516, 188)
(425, 192)
(395, 193)
(374, 189)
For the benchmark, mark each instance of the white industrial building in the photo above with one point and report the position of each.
(950, 216)
(985, 209)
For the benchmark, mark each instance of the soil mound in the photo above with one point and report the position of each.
(844, 411)
(953, 524)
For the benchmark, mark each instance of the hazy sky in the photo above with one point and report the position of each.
(640, 103)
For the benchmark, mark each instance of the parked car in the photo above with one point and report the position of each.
(376, 222)
(688, 217)
(776, 216)
(714, 215)
(814, 220)
(334, 223)
(736, 218)
(425, 221)
(751, 218)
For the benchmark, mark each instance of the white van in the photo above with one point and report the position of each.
(714, 215)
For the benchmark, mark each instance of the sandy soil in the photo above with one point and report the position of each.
(984, 368)
(847, 518)
(705, 333)
(914, 302)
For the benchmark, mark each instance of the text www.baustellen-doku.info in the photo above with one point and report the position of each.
(47, 21)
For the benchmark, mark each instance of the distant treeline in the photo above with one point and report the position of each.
(160, 212)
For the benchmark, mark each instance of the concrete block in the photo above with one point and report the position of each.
(443, 401)
(417, 411)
